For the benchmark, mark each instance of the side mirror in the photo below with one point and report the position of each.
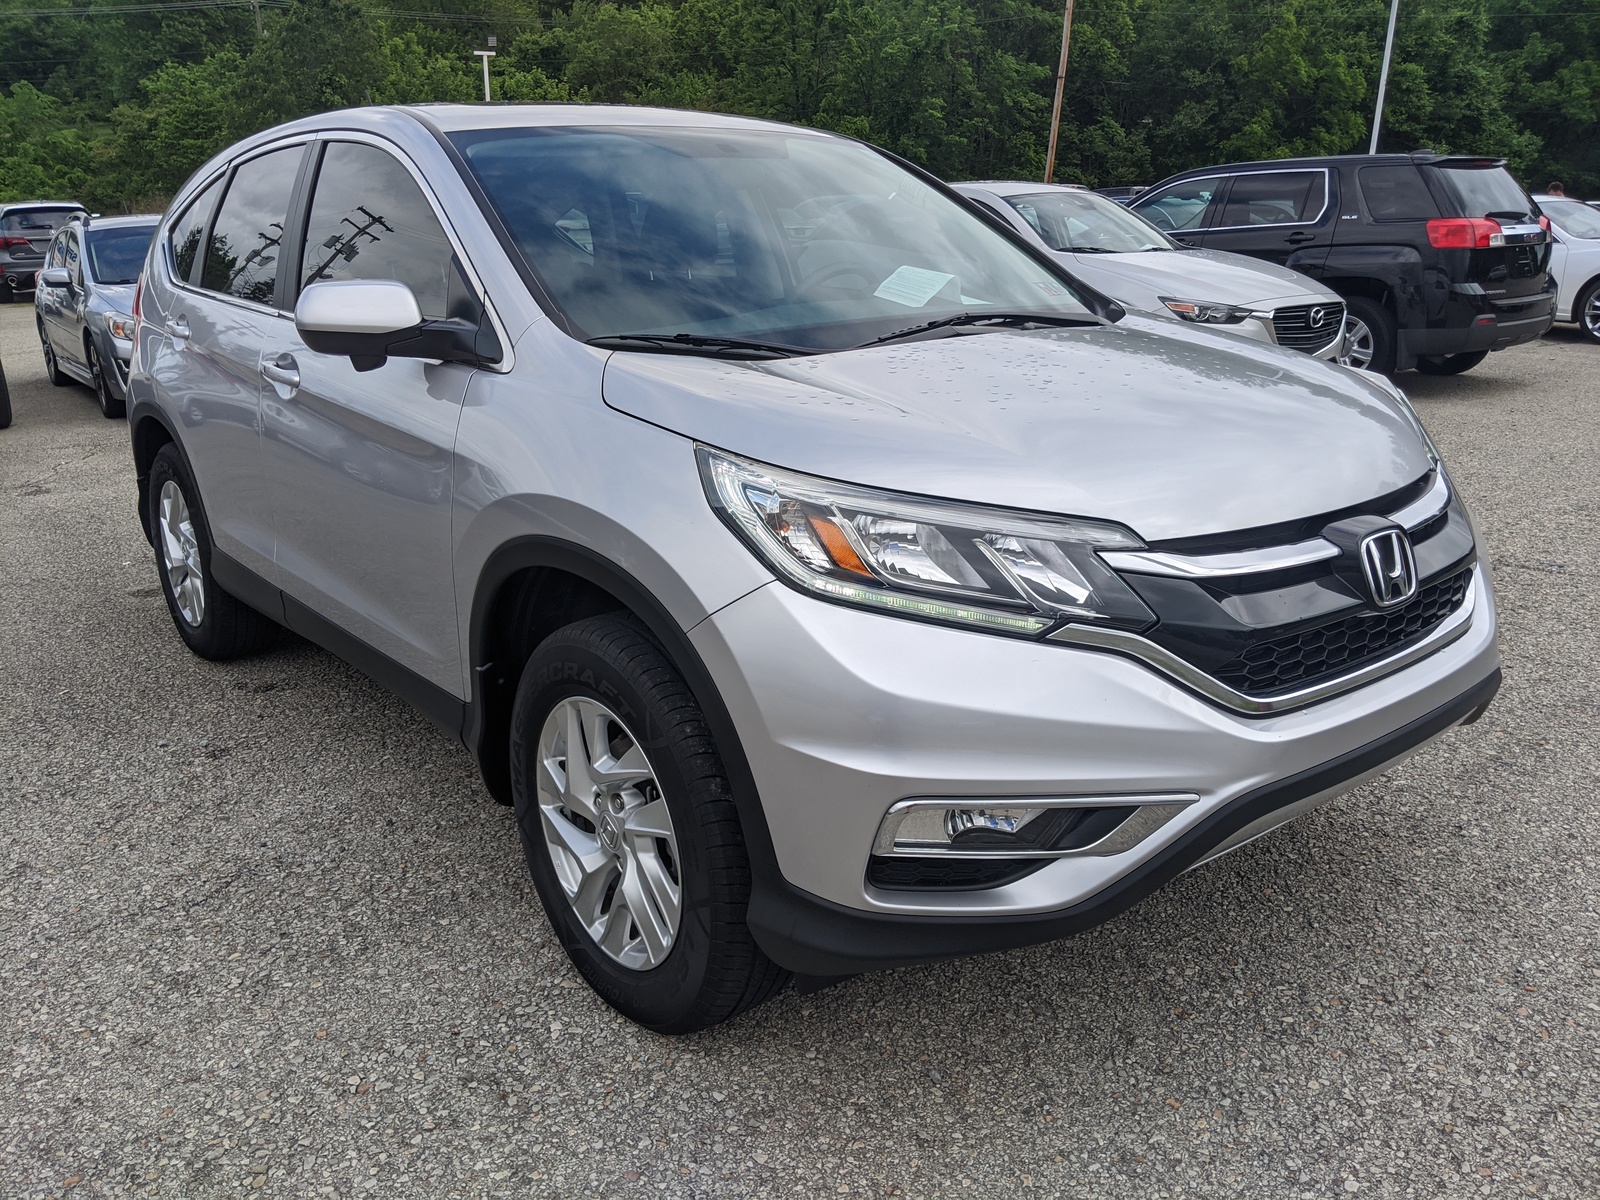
(55, 277)
(371, 321)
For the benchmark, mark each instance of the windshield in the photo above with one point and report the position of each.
(794, 238)
(117, 255)
(1573, 217)
(1486, 192)
(36, 220)
(1087, 222)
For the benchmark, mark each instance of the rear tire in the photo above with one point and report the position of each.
(1451, 364)
(5, 401)
(1369, 336)
(211, 622)
(1586, 312)
(52, 369)
(635, 847)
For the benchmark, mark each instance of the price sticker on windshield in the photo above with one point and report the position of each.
(912, 286)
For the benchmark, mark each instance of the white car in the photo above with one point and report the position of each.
(1575, 261)
(1122, 255)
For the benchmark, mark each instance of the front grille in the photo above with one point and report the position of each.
(1313, 655)
(1295, 330)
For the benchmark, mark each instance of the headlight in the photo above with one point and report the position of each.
(1206, 314)
(986, 568)
(119, 326)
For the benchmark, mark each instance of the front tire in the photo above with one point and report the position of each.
(52, 369)
(211, 622)
(1451, 364)
(1369, 336)
(5, 401)
(630, 833)
(110, 407)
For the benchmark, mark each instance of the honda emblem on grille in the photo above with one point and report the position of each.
(1389, 566)
(1317, 317)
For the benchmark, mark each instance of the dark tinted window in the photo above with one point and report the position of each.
(370, 220)
(1276, 198)
(242, 253)
(185, 233)
(36, 222)
(1485, 191)
(1396, 194)
(1181, 206)
(117, 255)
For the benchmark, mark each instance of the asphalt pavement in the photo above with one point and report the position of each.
(263, 933)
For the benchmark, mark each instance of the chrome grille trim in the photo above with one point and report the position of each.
(1292, 326)
(1270, 558)
(1161, 659)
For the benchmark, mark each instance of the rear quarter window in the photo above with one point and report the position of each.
(1396, 193)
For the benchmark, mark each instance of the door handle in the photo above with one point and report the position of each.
(283, 373)
(178, 329)
(1296, 239)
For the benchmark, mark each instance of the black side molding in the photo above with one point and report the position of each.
(439, 706)
(813, 936)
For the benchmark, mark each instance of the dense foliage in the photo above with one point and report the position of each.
(116, 105)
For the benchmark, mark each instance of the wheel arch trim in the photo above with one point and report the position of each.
(480, 733)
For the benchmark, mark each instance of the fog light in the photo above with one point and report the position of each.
(967, 827)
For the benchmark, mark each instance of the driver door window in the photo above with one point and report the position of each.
(1182, 208)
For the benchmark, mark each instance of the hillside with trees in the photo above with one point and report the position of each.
(116, 103)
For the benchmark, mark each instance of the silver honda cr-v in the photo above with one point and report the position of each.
(828, 578)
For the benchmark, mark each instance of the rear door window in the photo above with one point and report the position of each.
(1275, 198)
(1182, 206)
(183, 237)
(370, 220)
(243, 251)
(1396, 193)
(1485, 192)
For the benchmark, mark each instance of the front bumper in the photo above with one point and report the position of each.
(841, 714)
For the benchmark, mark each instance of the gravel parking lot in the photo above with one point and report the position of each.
(264, 933)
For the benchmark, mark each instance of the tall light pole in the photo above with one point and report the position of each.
(1383, 78)
(485, 55)
(1061, 83)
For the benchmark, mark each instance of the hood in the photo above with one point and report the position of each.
(1171, 431)
(117, 296)
(1211, 275)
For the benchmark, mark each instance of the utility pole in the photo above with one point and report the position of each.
(1383, 78)
(486, 55)
(1061, 83)
(256, 4)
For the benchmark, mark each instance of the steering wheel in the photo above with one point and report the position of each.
(1161, 220)
(829, 272)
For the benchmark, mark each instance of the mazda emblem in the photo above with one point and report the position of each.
(1317, 316)
(1389, 567)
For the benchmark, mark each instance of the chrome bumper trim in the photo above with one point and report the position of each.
(1161, 659)
(1158, 809)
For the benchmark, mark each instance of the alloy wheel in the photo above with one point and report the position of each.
(180, 554)
(609, 833)
(1358, 347)
(1590, 317)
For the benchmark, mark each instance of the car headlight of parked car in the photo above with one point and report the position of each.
(120, 326)
(1203, 313)
(986, 568)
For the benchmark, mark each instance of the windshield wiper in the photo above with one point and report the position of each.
(1092, 250)
(1009, 320)
(691, 343)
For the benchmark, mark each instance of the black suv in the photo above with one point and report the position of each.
(1441, 259)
